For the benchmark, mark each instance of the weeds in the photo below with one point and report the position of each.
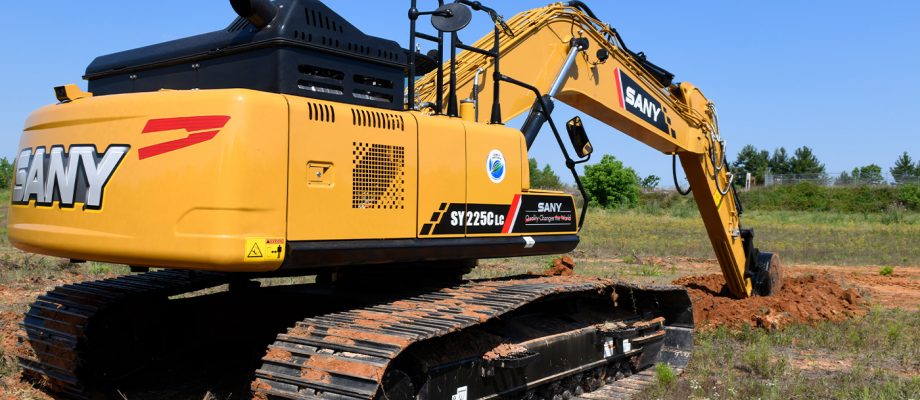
(98, 269)
(649, 270)
(875, 357)
(886, 271)
(666, 375)
(758, 357)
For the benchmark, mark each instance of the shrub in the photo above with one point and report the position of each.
(6, 173)
(886, 271)
(909, 196)
(611, 184)
(811, 197)
(545, 178)
(666, 375)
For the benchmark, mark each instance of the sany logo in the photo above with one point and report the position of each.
(201, 129)
(79, 176)
(549, 207)
(642, 104)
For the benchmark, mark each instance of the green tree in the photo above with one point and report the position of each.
(611, 184)
(543, 179)
(804, 161)
(6, 173)
(904, 170)
(779, 163)
(751, 160)
(650, 182)
(844, 179)
(869, 175)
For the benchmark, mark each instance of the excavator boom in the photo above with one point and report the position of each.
(564, 51)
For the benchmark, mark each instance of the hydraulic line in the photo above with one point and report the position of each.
(674, 173)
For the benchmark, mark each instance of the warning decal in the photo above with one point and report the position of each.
(263, 249)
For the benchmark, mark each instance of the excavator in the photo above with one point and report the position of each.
(291, 144)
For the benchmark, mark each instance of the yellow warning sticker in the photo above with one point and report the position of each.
(263, 249)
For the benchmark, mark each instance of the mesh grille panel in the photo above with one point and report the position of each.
(378, 176)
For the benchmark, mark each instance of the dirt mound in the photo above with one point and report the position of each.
(504, 351)
(806, 299)
(562, 266)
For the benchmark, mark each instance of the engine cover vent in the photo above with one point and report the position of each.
(321, 112)
(378, 177)
(378, 120)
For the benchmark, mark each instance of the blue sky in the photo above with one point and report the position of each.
(837, 76)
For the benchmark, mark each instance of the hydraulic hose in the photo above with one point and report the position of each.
(674, 172)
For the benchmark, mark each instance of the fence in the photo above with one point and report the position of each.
(840, 179)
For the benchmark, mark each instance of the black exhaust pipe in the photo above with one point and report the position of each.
(258, 12)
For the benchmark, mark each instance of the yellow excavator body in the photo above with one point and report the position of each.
(223, 180)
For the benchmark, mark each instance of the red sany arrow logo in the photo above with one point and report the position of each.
(201, 129)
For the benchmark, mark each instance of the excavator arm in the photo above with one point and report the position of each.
(566, 52)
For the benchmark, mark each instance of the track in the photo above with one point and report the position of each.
(351, 355)
(81, 338)
(59, 324)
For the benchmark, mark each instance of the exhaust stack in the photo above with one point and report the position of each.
(258, 12)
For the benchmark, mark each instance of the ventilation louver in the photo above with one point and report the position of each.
(378, 177)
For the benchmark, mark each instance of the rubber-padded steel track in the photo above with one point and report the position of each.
(345, 355)
(678, 344)
(625, 388)
(56, 324)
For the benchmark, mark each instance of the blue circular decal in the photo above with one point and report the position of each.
(496, 166)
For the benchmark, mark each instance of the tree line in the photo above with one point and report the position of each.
(611, 184)
(803, 161)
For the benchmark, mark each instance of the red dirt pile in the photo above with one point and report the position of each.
(504, 351)
(806, 299)
(563, 266)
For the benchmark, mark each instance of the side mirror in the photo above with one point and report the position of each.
(579, 137)
(451, 17)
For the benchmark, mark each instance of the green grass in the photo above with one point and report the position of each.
(799, 237)
(875, 357)
(618, 243)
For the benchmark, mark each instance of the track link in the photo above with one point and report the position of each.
(346, 355)
(58, 326)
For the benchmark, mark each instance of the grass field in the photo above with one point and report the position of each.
(875, 357)
(801, 237)
(824, 238)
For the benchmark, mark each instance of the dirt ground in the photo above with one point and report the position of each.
(901, 289)
(811, 293)
(803, 299)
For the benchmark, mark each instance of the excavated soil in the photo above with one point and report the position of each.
(504, 351)
(562, 266)
(804, 299)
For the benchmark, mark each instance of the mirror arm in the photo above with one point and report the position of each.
(569, 162)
